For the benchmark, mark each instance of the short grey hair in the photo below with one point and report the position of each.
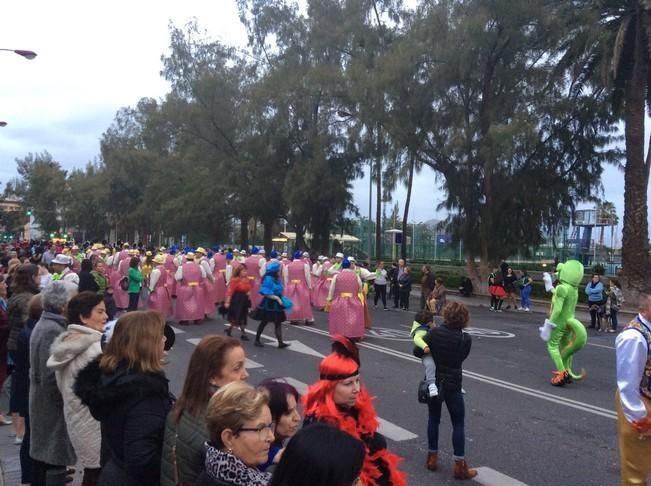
(55, 296)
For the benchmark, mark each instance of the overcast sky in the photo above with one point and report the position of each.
(96, 57)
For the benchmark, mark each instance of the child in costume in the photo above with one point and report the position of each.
(423, 322)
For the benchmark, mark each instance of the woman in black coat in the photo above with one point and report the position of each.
(449, 346)
(127, 392)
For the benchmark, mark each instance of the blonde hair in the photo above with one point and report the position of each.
(231, 407)
(136, 342)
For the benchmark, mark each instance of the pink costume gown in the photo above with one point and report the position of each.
(76, 264)
(322, 287)
(253, 270)
(189, 294)
(208, 288)
(298, 292)
(220, 279)
(346, 311)
(160, 299)
(170, 268)
(121, 297)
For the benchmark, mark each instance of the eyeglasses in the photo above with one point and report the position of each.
(262, 430)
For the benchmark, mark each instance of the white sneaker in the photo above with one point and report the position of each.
(527, 309)
(463, 391)
(433, 390)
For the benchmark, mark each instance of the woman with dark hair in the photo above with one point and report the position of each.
(449, 347)
(271, 309)
(86, 279)
(339, 399)
(305, 462)
(71, 352)
(237, 301)
(127, 392)
(595, 292)
(283, 403)
(215, 362)
(135, 281)
(24, 284)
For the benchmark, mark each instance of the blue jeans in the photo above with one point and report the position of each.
(524, 297)
(456, 408)
(613, 319)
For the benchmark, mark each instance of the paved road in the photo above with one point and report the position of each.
(517, 425)
(520, 430)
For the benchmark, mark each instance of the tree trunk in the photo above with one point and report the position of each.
(244, 232)
(410, 180)
(635, 259)
(378, 202)
(254, 232)
(268, 227)
(479, 281)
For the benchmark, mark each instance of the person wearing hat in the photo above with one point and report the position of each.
(272, 307)
(219, 273)
(336, 266)
(61, 268)
(273, 257)
(346, 308)
(121, 268)
(254, 263)
(339, 399)
(322, 286)
(76, 259)
(190, 304)
(298, 283)
(160, 299)
(170, 269)
(207, 283)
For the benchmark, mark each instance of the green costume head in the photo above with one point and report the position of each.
(571, 273)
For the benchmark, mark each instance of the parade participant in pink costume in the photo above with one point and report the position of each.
(207, 284)
(219, 271)
(346, 308)
(315, 274)
(170, 267)
(322, 287)
(298, 284)
(121, 296)
(231, 264)
(76, 259)
(189, 294)
(160, 298)
(253, 266)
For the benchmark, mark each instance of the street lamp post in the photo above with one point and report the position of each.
(22, 52)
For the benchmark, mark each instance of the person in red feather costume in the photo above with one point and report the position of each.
(339, 399)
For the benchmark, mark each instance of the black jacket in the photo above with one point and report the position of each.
(87, 282)
(204, 479)
(449, 348)
(131, 407)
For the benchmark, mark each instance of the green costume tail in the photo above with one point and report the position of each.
(573, 342)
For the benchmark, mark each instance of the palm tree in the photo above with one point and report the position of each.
(610, 40)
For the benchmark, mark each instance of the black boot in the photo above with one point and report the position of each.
(258, 333)
(279, 336)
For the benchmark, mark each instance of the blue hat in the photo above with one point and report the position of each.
(229, 256)
(273, 254)
(186, 249)
(215, 248)
(345, 263)
(173, 247)
(273, 267)
(172, 250)
(255, 250)
(298, 254)
(210, 254)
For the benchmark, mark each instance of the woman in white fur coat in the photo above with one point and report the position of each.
(71, 352)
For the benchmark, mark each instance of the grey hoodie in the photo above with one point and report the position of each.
(71, 352)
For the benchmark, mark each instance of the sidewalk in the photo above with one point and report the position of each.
(9, 452)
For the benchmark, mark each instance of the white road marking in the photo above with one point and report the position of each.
(177, 330)
(601, 345)
(249, 363)
(388, 429)
(491, 477)
(586, 407)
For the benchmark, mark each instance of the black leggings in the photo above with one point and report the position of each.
(133, 302)
(278, 330)
(381, 292)
(496, 303)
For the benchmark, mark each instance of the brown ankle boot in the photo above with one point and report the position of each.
(432, 461)
(462, 471)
